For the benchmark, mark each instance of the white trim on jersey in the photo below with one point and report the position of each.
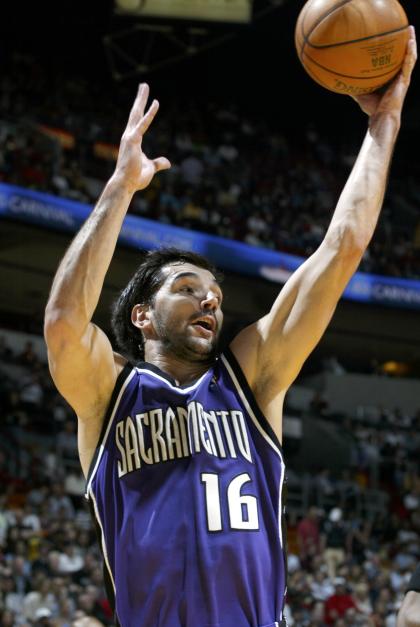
(268, 439)
(265, 435)
(103, 544)
(104, 439)
(168, 383)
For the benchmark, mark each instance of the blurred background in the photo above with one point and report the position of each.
(260, 154)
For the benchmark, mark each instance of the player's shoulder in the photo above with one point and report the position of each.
(244, 348)
(120, 363)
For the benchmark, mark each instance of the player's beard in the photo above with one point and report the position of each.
(182, 345)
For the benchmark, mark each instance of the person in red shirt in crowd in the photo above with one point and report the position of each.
(308, 536)
(338, 604)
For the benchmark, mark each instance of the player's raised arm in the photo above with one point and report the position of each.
(272, 351)
(80, 356)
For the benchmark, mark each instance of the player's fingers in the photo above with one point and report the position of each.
(137, 110)
(411, 56)
(147, 118)
(412, 32)
(161, 163)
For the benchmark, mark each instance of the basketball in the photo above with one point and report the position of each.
(352, 46)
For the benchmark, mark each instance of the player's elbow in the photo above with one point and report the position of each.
(59, 330)
(346, 241)
(54, 329)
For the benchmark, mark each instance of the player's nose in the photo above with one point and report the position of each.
(210, 301)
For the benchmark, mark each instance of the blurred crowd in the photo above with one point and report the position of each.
(50, 563)
(348, 570)
(239, 176)
(236, 175)
(348, 562)
(356, 541)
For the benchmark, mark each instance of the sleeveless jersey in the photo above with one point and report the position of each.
(186, 488)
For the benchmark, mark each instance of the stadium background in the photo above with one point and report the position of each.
(351, 419)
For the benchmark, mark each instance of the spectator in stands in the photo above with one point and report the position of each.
(338, 603)
(357, 538)
(65, 613)
(59, 502)
(400, 576)
(20, 570)
(42, 618)
(334, 541)
(31, 394)
(308, 536)
(321, 585)
(7, 618)
(40, 597)
(67, 446)
(325, 486)
(70, 561)
(12, 599)
(87, 602)
(361, 598)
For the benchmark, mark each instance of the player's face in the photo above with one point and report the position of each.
(186, 313)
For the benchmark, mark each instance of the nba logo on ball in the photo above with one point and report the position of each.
(353, 46)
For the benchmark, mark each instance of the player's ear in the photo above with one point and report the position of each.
(141, 317)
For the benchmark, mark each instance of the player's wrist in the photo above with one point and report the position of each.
(121, 183)
(385, 122)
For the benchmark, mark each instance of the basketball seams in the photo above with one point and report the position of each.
(315, 76)
(317, 58)
(354, 41)
(319, 21)
(303, 16)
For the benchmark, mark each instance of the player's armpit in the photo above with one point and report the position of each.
(275, 348)
(84, 368)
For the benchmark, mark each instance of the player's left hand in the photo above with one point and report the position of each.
(392, 99)
(133, 168)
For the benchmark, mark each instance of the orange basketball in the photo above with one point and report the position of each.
(352, 46)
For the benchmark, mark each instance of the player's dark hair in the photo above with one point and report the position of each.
(142, 288)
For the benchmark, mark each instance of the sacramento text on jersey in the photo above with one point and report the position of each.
(161, 435)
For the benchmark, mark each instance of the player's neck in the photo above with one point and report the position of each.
(182, 370)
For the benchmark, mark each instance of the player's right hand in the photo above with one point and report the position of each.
(134, 169)
(392, 98)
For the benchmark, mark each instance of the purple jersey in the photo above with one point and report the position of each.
(186, 488)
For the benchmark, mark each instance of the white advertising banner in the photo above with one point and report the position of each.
(207, 10)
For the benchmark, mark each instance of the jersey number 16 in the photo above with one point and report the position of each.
(243, 509)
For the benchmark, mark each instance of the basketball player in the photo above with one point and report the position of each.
(409, 614)
(181, 447)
